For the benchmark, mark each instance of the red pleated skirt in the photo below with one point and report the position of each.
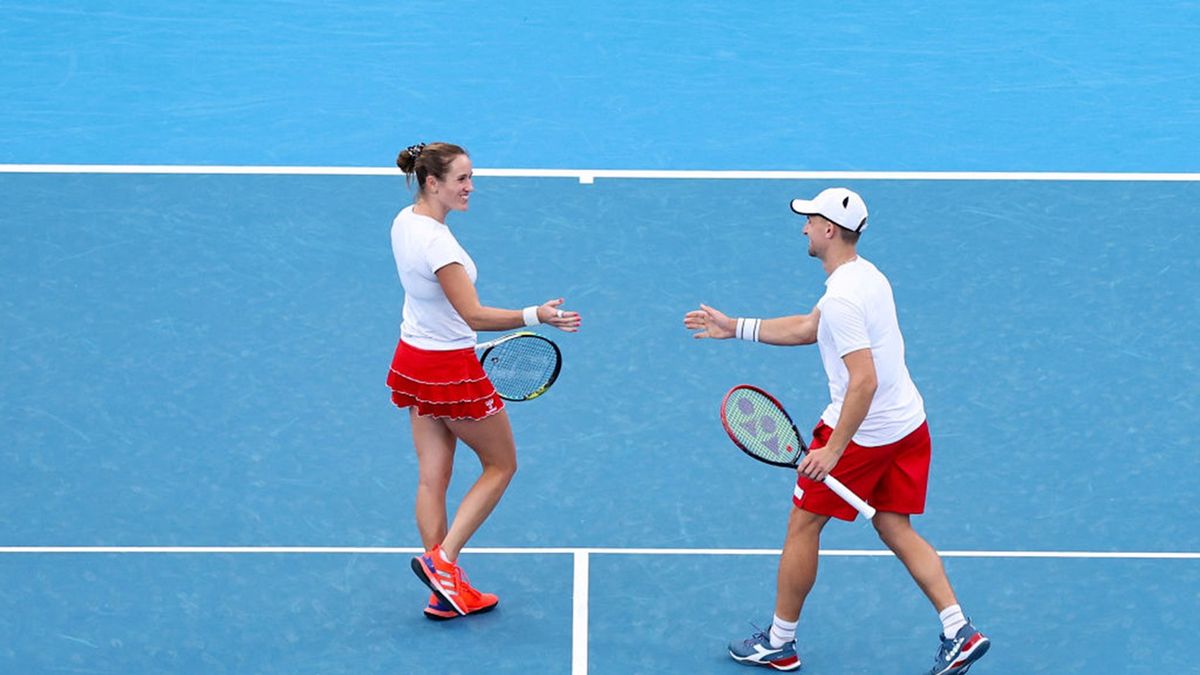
(448, 384)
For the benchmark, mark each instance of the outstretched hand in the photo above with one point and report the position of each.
(552, 314)
(710, 323)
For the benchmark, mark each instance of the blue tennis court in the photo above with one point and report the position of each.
(200, 467)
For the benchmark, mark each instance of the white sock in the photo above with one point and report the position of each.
(445, 558)
(952, 620)
(782, 632)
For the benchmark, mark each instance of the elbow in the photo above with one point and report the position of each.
(866, 386)
(871, 386)
(474, 319)
(807, 333)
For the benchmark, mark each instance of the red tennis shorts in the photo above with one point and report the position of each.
(448, 384)
(892, 477)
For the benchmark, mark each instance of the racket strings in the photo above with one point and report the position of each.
(521, 367)
(761, 427)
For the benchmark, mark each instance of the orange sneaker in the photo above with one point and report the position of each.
(438, 610)
(474, 601)
(440, 576)
(450, 586)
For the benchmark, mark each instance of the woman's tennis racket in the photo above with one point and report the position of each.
(760, 426)
(521, 366)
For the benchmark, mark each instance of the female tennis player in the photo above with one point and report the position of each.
(437, 376)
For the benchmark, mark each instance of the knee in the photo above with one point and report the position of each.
(804, 524)
(435, 480)
(891, 528)
(499, 464)
(506, 468)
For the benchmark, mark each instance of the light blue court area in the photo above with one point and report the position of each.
(914, 85)
(179, 613)
(221, 342)
(865, 617)
(199, 360)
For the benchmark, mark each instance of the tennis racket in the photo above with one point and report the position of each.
(760, 426)
(521, 366)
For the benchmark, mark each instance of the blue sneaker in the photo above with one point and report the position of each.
(956, 654)
(757, 651)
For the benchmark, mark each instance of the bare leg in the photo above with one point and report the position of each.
(492, 440)
(921, 559)
(435, 462)
(798, 563)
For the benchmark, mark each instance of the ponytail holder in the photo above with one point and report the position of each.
(415, 150)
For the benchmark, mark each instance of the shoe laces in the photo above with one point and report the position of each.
(462, 575)
(945, 649)
(463, 584)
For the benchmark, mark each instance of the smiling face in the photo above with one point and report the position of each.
(453, 191)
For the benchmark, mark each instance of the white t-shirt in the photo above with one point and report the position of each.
(859, 312)
(422, 246)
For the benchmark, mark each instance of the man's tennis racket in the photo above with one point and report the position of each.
(760, 426)
(521, 366)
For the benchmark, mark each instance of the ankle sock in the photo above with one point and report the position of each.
(952, 620)
(782, 632)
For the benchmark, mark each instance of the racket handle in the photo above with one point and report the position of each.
(852, 499)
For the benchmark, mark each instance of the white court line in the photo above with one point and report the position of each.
(535, 550)
(588, 176)
(579, 616)
(580, 558)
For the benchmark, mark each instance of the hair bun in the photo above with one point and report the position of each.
(407, 160)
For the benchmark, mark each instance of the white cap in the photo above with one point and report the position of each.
(844, 207)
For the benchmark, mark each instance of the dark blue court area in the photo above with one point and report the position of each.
(200, 467)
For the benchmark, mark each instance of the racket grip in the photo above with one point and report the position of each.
(852, 499)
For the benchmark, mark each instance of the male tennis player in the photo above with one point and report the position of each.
(872, 436)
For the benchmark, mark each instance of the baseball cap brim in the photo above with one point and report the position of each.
(805, 207)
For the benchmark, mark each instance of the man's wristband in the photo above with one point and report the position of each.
(747, 329)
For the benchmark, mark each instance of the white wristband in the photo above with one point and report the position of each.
(530, 314)
(747, 329)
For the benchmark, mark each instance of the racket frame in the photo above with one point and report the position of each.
(834, 484)
(504, 338)
(488, 346)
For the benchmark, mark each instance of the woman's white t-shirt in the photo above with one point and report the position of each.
(858, 311)
(422, 246)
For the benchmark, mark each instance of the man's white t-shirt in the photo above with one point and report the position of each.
(422, 246)
(859, 312)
